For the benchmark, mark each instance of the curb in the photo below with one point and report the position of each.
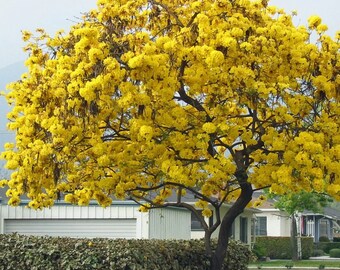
(294, 268)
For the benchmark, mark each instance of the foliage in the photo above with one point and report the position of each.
(259, 251)
(334, 253)
(318, 253)
(145, 99)
(327, 246)
(301, 201)
(324, 239)
(27, 252)
(279, 247)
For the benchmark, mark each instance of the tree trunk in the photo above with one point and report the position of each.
(226, 225)
(293, 239)
(207, 243)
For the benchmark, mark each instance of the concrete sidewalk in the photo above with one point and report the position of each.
(294, 268)
(323, 258)
(320, 258)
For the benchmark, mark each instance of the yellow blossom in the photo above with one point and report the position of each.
(146, 132)
(209, 127)
(314, 21)
(207, 212)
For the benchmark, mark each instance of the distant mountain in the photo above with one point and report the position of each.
(11, 73)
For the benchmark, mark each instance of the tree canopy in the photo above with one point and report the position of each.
(294, 203)
(145, 93)
(216, 97)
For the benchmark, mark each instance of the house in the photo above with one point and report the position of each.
(241, 228)
(274, 222)
(120, 220)
(318, 225)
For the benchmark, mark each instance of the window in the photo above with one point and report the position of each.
(261, 226)
(196, 224)
(244, 229)
(324, 225)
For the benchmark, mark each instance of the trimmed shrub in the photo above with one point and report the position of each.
(318, 252)
(323, 239)
(336, 239)
(18, 252)
(279, 247)
(334, 253)
(326, 247)
(259, 251)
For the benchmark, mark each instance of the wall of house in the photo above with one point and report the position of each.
(285, 224)
(247, 214)
(118, 211)
(237, 228)
(197, 234)
(169, 223)
(277, 222)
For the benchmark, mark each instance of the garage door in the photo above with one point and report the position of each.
(108, 228)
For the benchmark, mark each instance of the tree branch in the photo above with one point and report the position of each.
(196, 193)
(166, 8)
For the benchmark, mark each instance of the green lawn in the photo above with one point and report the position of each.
(303, 263)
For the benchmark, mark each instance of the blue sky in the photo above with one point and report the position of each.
(17, 15)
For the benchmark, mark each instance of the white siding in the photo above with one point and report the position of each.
(77, 215)
(197, 234)
(277, 222)
(70, 211)
(88, 228)
(285, 225)
(169, 223)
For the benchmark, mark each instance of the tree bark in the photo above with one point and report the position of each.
(293, 239)
(226, 225)
(207, 243)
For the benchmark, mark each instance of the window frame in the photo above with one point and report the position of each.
(198, 227)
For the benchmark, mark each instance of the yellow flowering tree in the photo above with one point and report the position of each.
(148, 100)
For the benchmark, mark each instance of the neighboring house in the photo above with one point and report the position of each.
(273, 222)
(120, 220)
(318, 225)
(241, 229)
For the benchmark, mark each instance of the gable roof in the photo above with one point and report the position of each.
(328, 212)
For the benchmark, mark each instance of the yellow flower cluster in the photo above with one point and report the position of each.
(173, 95)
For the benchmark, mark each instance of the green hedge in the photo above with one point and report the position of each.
(327, 246)
(19, 252)
(279, 247)
(334, 253)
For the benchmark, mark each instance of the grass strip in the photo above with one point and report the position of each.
(302, 263)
